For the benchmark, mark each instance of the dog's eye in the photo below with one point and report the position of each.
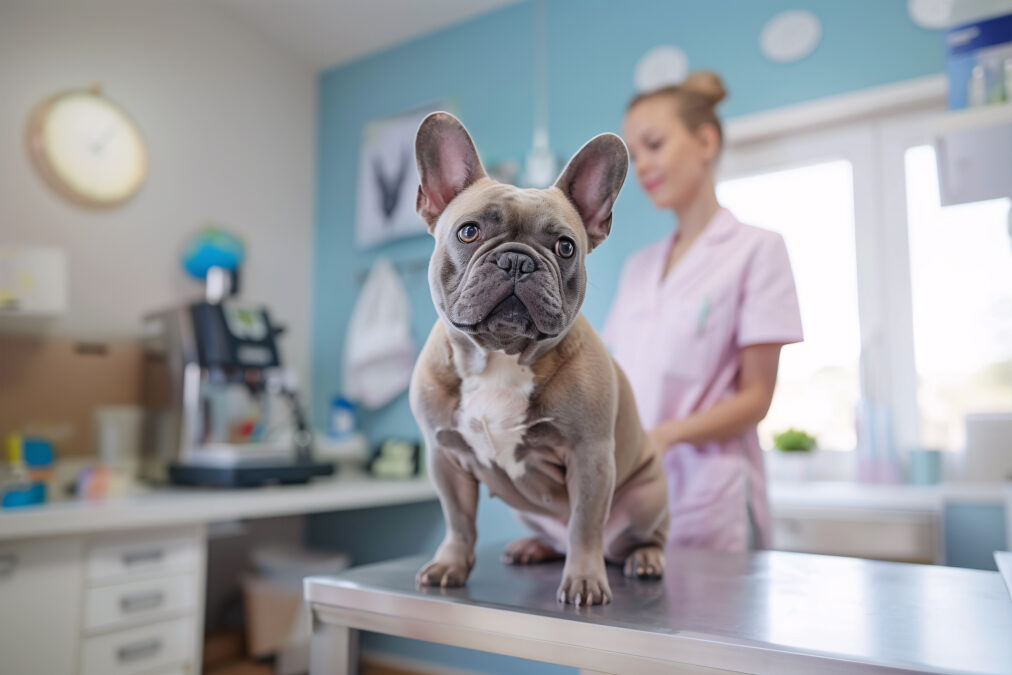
(564, 247)
(468, 232)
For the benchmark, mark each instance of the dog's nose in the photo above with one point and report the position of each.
(515, 263)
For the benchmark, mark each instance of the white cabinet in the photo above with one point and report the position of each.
(899, 537)
(41, 583)
(143, 602)
(882, 522)
(973, 148)
(129, 603)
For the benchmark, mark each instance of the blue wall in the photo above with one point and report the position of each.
(484, 67)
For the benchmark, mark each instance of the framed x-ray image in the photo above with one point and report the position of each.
(388, 179)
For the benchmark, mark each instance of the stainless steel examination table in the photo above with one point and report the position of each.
(765, 612)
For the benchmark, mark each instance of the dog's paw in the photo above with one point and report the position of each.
(439, 573)
(529, 551)
(646, 562)
(585, 589)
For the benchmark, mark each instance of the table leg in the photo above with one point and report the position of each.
(333, 649)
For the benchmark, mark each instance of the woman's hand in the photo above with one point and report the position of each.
(665, 434)
(658, 439)
(730, 417)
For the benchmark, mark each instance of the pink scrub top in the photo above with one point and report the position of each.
(679, 341)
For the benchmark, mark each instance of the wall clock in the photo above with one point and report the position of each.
(87, 148)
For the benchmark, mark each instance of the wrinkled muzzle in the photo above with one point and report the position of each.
(509, 292)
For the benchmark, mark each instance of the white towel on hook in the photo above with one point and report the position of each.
(379, 354)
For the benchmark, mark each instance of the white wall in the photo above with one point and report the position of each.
(229, 120)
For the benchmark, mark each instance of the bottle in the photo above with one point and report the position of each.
(342, 418)
(963, 13)
(976, 89)
(1007, 76)
(996, 82)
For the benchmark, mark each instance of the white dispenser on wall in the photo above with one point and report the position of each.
(973, 149)
(33, 281)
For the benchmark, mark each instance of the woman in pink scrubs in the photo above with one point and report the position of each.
(698, 323)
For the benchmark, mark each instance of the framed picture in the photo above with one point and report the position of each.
(388, 179)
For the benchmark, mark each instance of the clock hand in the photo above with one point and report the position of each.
(98, 146)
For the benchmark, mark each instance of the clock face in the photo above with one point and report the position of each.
(88, 148)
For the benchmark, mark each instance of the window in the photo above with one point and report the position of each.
(906, 305)
(812, 207)
(961, 289)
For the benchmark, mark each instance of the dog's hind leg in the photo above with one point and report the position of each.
(645, 562)
(544, 547)
(637, 528)
(529, 551)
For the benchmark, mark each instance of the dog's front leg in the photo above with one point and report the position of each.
(590, 481)
(458, 495)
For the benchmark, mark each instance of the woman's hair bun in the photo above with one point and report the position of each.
(705, 83)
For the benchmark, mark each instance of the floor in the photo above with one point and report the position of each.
(225, 654)
(251, 668)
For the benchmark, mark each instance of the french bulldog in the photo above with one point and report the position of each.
(513, 387)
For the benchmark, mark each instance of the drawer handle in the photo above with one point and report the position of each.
(141, 601)
(151, 555)
(8, 562)
(139, 650)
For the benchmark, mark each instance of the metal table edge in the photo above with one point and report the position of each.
(338, 601)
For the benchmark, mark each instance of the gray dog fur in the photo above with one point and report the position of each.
(513, 387)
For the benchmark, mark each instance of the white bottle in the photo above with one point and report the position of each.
(1007, 70)
(976, 88)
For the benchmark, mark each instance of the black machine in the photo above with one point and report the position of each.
(219, 407)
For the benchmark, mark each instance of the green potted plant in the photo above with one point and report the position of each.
(793, 462)
(794, 440)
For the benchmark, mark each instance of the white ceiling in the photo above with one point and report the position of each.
(329, 32)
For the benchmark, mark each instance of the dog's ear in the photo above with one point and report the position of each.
(447, 164)
(592, 181)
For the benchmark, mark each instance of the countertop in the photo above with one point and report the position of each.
(762, 612)
(158, 507)
(169, 506)
(812, 496)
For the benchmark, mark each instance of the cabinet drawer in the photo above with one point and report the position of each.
(117, 557)
(134, 601)
(139, 650)
(911, 539)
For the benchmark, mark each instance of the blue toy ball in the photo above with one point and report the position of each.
(212, 247)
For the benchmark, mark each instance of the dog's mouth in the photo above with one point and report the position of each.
(509, 317)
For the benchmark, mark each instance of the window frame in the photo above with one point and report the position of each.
(872, 131)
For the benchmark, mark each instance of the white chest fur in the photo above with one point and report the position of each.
(493, 411)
